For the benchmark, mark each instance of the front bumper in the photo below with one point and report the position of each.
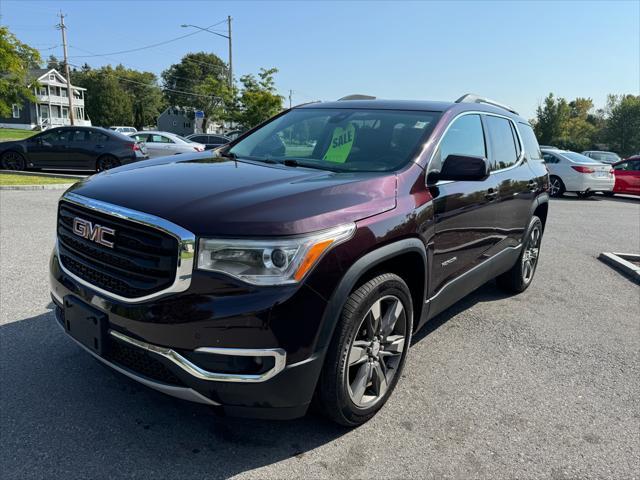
(154, 343)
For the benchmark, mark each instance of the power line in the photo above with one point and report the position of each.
(153, 45)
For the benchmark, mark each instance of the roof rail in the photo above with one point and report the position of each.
(472, 98)
(357, 96)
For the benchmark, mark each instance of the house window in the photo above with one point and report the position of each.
(43, 90)
(52, 77)
(63, 92)
(15, 110)
(65, 112)
(55, 111)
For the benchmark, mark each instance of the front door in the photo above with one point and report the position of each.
(464, 220)
(47, 149)
(628, 177)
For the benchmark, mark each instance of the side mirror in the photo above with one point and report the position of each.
(463, 167)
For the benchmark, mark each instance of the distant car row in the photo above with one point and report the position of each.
(97, 149)
(584, 175)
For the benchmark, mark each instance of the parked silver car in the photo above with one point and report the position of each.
(161, 144)
(604, 157)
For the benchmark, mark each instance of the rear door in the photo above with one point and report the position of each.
(159, 145)
(463, 214)
(79, 150)
(515, 182)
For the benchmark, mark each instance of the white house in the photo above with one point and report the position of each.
(51, 108)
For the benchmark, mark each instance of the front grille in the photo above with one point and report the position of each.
(140, 362)
(142, 261)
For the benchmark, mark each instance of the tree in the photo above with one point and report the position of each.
(53, 62)
(550, 119)
(622, 131)
(16, 58)
(199, 81)
(144, 93)
(106, 103)
(258, 99)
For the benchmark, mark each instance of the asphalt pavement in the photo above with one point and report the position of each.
(545, 384)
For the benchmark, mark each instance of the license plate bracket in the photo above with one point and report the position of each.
(86, 324)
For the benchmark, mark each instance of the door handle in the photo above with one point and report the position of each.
(491, 194)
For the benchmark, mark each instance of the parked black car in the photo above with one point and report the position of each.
(72, 148)
(296, 264)
(209, 141)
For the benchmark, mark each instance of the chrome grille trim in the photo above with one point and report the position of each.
(185, 253)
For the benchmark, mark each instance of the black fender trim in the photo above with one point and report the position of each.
(353, 274)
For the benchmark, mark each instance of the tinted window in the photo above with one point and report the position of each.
(548, 158)
(504, 152)
(464, 137)
(355, 140)
(217, 139)
(531, 146)
(155, 138)
(97, 137)
(80, 136)
(199, 139)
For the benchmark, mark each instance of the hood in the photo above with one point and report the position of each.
(219, 196)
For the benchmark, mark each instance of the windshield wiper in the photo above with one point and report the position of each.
(228, 154)
(292, 162)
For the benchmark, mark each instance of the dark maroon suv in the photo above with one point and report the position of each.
(295, 264)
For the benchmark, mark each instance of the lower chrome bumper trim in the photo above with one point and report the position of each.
(178, 392)
(278, 354)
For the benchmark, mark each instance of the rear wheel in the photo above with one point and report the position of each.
(12, 161)
(556, 187)
(368, 351)
(584, 194)
(107, 162)
(608, 194)
(521, 274)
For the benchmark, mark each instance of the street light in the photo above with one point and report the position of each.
(228, 37)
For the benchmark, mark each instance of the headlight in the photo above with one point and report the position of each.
(269, 261)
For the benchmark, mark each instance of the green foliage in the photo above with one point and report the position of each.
(576, 126)
(622, 131)
(120, 96)
(16, 58)
(258, 100)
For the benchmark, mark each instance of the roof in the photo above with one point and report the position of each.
(379, 104)
(37, 73)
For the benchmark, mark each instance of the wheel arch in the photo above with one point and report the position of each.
(406, 258)
(103, 155)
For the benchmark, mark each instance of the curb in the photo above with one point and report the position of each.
(44, 174)
(622, 262)
(52, 186)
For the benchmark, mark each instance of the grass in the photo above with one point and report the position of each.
(15, 134)
(7, 179)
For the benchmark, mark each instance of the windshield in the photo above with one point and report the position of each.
(349, 140)
(578, 157)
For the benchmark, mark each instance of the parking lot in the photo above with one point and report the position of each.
(541, 385)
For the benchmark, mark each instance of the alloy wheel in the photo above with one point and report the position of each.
(530, 254)
(12, 161)
(554, 187)
(376, 351)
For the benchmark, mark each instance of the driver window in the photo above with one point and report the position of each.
(465, 136)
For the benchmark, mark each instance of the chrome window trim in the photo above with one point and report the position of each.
(185, 253)
(278, 354)
(521, 155)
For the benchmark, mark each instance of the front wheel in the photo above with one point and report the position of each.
(368, 351)
(12, 161)
(520, 276)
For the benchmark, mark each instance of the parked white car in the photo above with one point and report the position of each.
(160, 144)
(123, 129)
(574, 172)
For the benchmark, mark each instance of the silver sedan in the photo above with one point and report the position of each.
(161, 144)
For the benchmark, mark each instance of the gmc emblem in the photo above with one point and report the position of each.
(96, 233)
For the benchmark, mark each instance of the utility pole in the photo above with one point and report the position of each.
(230, 54)
(63, 28)
(290, 94)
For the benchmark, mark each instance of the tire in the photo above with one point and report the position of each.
(556, 187)
(12, 161)
(584, 195)
(106, 162)
(519, 277)
(608, 194)
(365, 358)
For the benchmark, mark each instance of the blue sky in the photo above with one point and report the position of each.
(513, 51)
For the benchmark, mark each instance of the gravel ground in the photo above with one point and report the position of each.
(541, 385)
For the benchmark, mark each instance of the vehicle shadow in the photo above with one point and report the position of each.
(65, 415)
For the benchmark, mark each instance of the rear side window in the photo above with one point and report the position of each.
(548, 158)
(531, 146)
(504, 149)
(199, 139)
(216, 139)
(465, 136)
